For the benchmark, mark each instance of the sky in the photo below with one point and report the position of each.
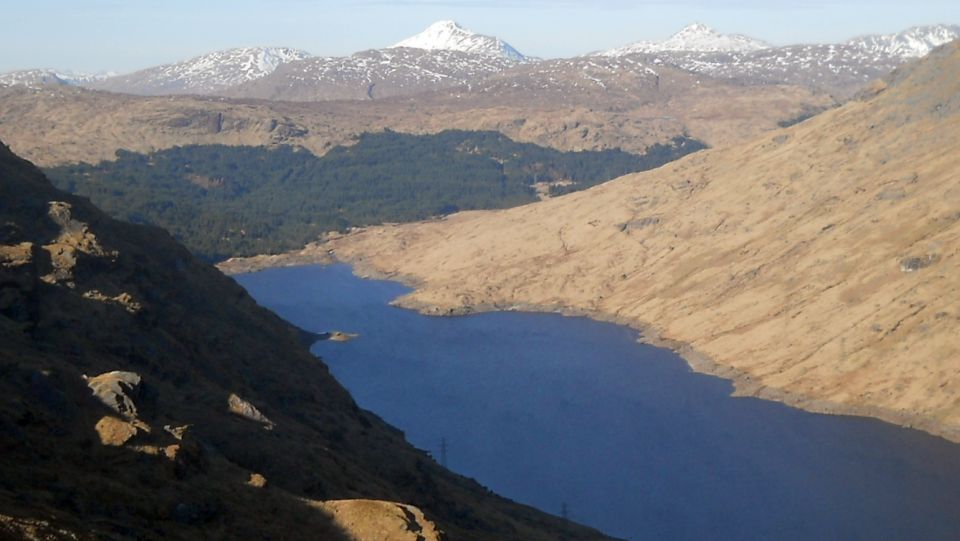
(123, 36)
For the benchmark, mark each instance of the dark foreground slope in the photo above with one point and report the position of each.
(211, 389)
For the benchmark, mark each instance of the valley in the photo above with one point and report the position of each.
(813, 265)
(782, 216)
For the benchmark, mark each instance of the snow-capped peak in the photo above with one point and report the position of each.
(911, 43)
(696, 37)
(450, 36)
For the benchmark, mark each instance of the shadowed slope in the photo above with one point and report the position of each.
(210, 419)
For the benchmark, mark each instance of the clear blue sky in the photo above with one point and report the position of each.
(95, 35)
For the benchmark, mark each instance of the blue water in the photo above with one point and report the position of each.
(555, 411)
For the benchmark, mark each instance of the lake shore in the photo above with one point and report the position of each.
(320, 253)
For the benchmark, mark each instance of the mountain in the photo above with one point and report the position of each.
(204, 74)
(840, 69)
(815, 265)
(444, 55)
(696, 37)
(450, 36)
(148, 396)
(373, 74)
(36, 78)
(911, 43)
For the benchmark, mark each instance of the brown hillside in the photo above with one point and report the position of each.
(56, 125)
(817, 265)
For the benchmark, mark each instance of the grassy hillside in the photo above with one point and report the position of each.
(816, 265)
(226, 201)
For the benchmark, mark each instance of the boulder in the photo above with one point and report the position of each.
(247, 410)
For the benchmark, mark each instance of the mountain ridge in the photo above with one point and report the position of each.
(372, 74)
(840, 69)
(36, 78)
(446, 55)
(204, 74)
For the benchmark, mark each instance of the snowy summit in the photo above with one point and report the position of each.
(912, 43)
(450, 36)
(697, 37)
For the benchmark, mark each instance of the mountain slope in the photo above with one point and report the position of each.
(373, 74)
(147, 396)
(842, 69)
(816, 265)
(450, 36)
(911, 43)
(204, 74)
(696, 37)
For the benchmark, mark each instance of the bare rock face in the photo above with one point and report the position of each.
(117, 432)
(116, 390)
(373, 520)
(75, 238)
(247, 410)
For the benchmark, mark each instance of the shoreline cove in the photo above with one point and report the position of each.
(743, 384)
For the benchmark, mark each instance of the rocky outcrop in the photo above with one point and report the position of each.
(74, 239)
(248, 411)
(117, 432)
(116, 390)
(372, 520)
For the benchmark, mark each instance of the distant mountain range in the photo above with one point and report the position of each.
(373, 74)
(840, 69)
(34, 78)
(446, 55)
(206, 74)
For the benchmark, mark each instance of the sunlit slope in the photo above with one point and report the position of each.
(816, 265)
